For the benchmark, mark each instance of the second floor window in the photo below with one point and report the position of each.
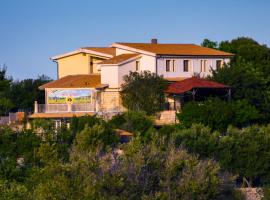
(168, 65)
(203, 65)
(137, 65)
(186, 65)
(218, 64)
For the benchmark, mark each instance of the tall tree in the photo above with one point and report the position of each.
(248, 73)
(143, 92)
(5, 82)
(23, 93)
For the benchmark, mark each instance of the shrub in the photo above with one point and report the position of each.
(218, 114)
(98, 135)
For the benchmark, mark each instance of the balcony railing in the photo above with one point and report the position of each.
(61, 108)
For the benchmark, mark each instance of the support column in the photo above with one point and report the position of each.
(229, 95)
(193, 94)
(35, 107)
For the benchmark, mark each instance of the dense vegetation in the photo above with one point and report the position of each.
(17, 94)
(93, 164)
(143, 92)
(217, 146)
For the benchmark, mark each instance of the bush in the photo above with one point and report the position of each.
(243, 152)
(133, 121)
(218, 114)
(149, 172)
(99, 135)
(247, 152)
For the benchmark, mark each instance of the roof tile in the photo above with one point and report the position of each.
(75, 81)
(120, 58)
(176, 49)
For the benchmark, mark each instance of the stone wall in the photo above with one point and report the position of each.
(110, 101)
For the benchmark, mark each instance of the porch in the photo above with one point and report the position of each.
(190, 89)
(194, 89)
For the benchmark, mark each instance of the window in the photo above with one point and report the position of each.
(173, 65)
(218, 64)
(137, 65)
(168, 65)
(186, 65)
(203, 65)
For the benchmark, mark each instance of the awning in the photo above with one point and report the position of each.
(193, 83)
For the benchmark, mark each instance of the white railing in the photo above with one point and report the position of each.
(60, 108)
(89, 107)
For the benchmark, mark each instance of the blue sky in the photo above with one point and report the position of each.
(31, 31)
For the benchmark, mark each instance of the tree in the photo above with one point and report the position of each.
(24, 93)
(209, 44)
(218, 114)
(143, 92)
(5, 103)
(248, 73)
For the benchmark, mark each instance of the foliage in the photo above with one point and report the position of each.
(143, 92)
(79, 123)
(24, 93)
(210, 44)
(252, 141)
(149, 172)
(13, 191)
(248, 73)
(133, 121)
(5, 103)
(218, 114)
(266, 193)
(244, 152)
(16, 95)
(98, 135)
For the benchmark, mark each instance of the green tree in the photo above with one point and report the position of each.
(23, 93)
(210, 44)
(248, 73)
(246, 152)
(5, 103)
(218, 114)
(143, 92)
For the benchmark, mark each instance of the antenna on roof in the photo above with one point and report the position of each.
(154, 41)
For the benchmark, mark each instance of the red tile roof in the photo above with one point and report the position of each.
(75, 81)
(192, 83)
(120, 58)
(105, 50)
(176, 49)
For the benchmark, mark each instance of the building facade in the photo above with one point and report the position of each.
(90, 78)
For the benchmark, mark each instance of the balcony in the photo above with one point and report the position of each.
(64, 108)
(71, 110)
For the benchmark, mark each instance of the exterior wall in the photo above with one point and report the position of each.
(110, 100)
(109, 75)
(147, 62)
(124, 70)
(74, 64)
(96, 68)
(113, 74)
(121, 51)
(78, 64)
(195, 66)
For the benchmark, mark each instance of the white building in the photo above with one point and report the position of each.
(97, 73)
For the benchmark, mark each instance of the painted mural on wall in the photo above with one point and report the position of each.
(69, 96)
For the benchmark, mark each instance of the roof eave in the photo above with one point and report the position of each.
(81, 50)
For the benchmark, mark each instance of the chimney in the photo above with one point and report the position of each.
(154, 41)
